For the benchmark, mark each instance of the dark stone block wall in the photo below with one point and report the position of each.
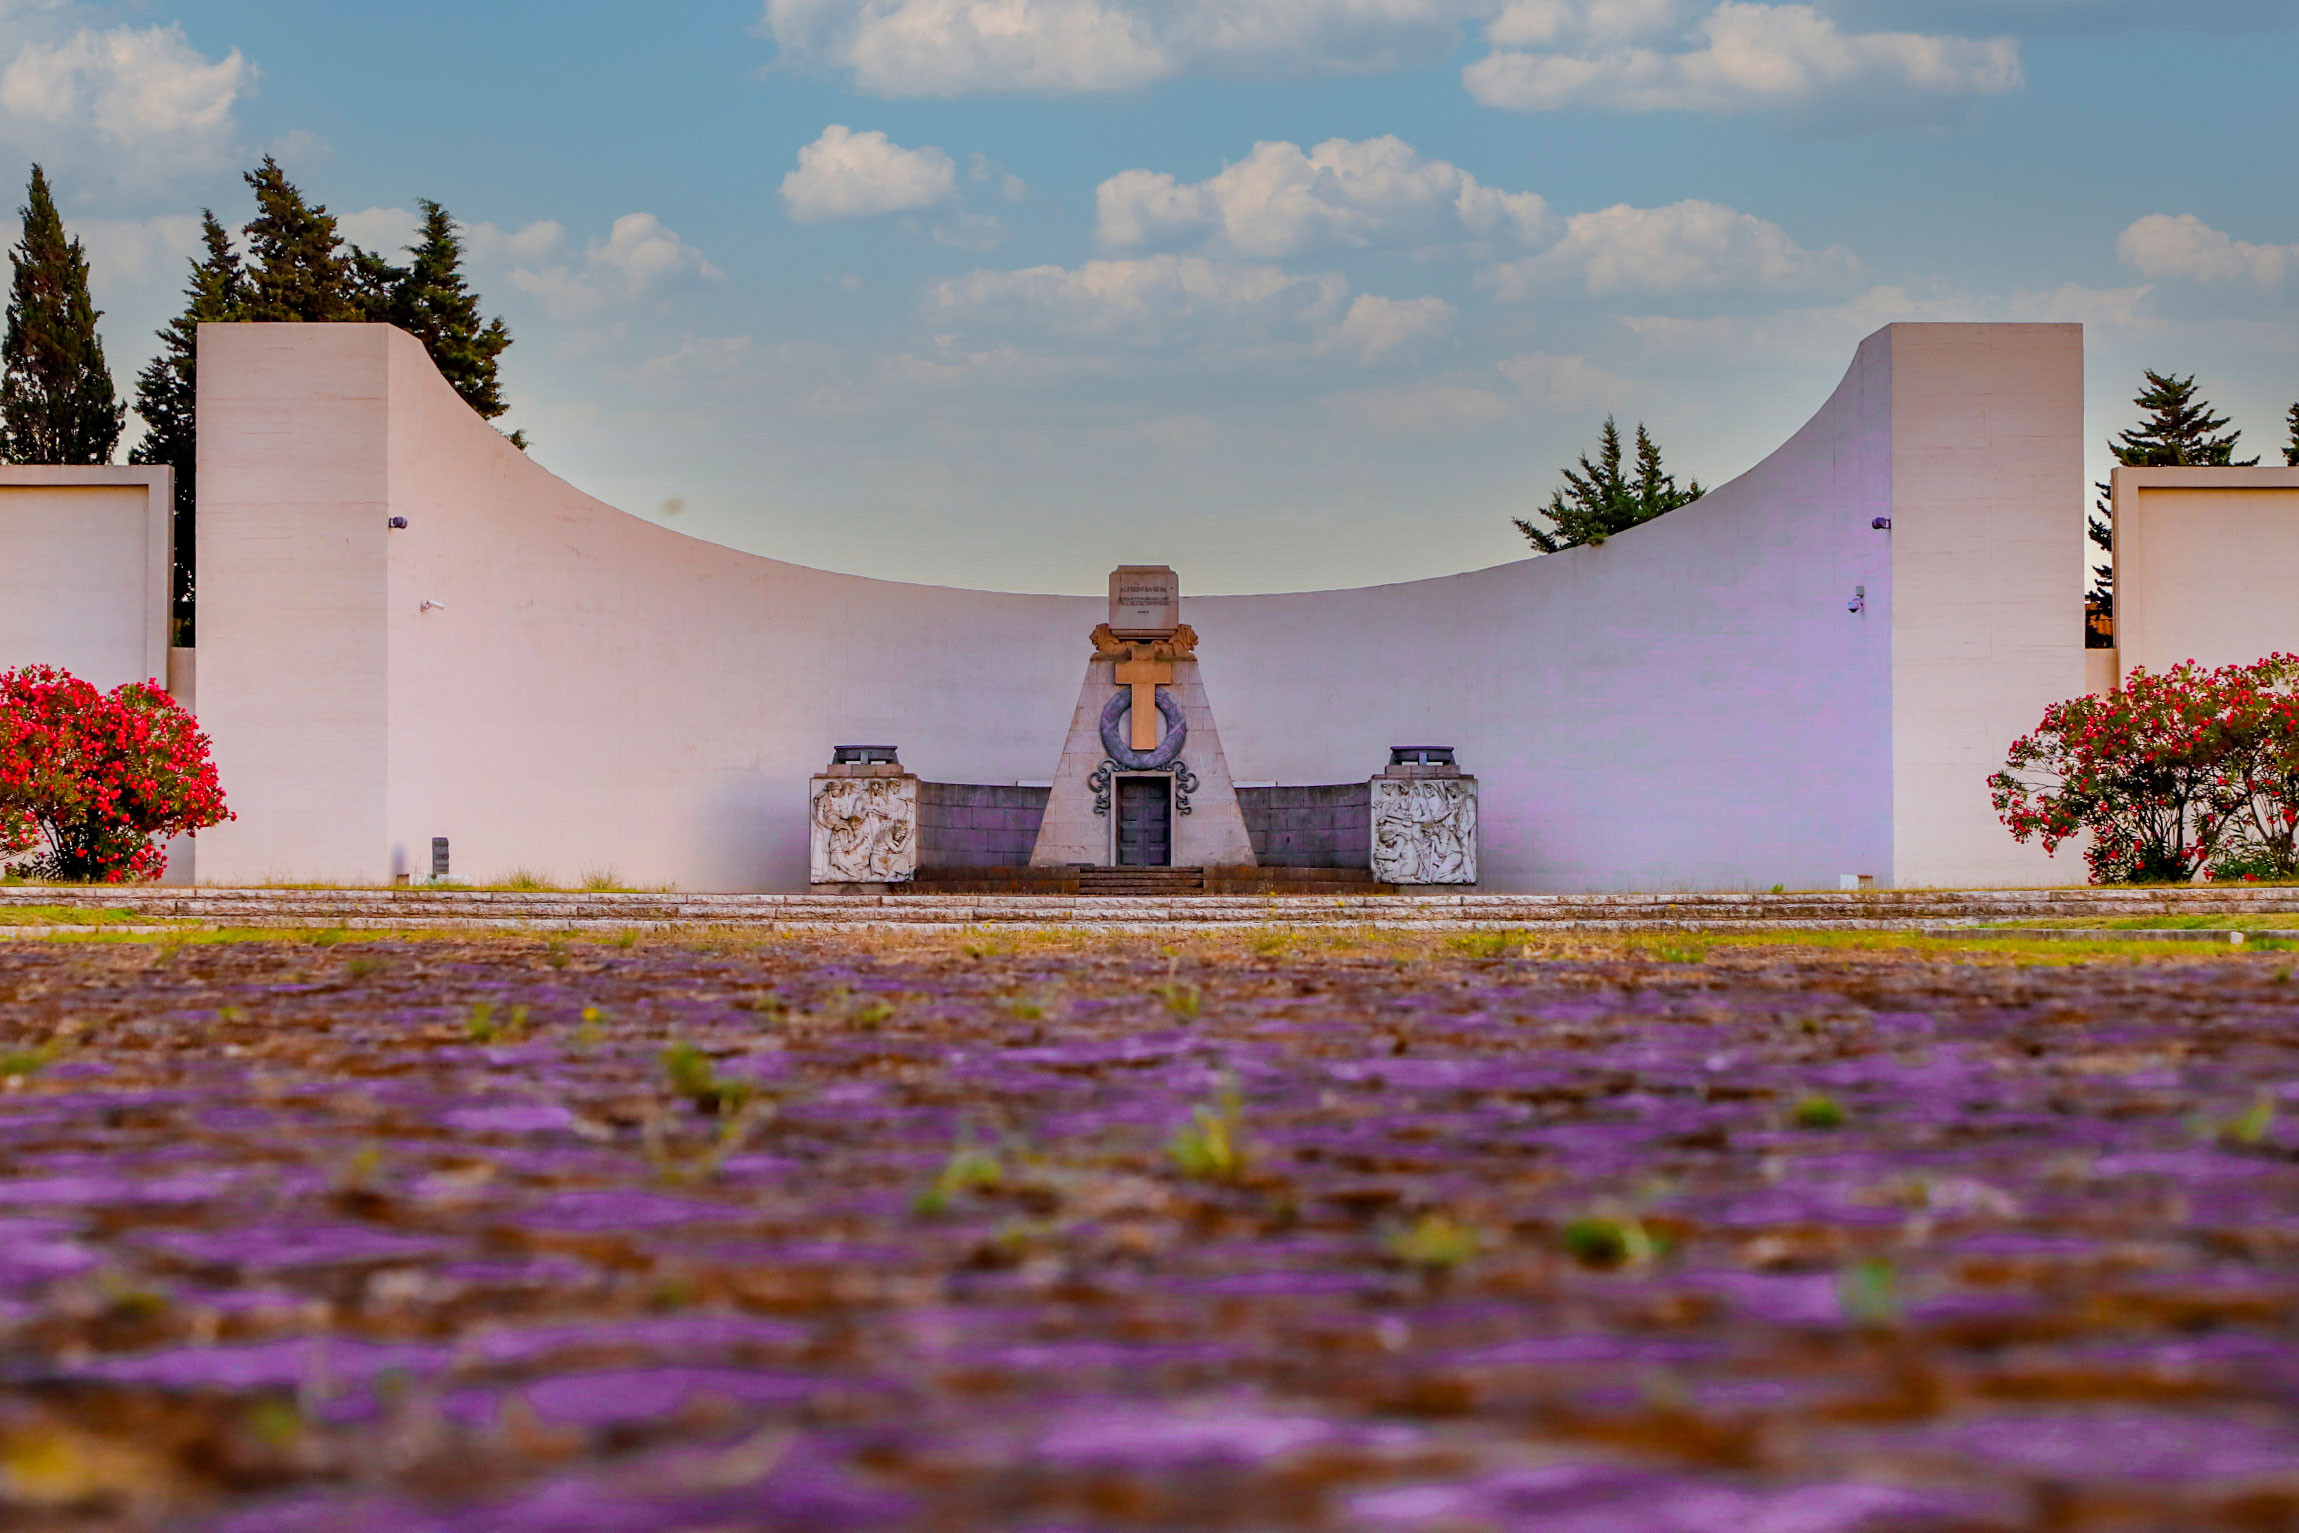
(978, 825)
(1328, 826)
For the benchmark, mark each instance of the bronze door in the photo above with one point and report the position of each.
(1145, 822)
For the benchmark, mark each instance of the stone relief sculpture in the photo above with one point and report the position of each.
(865, 830)
(1425, 830)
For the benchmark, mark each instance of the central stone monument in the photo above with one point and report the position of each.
(1142, 781)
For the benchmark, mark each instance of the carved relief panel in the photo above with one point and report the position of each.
(1425, 830)
(865, 830)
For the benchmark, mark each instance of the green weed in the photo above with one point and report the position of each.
(1815, 1111)
(1603, 1241)
(1184, 1001)
(688, 1072)
(25, 1061)
(969, 1169)
(1211, 1146)
(1868, 1294)
(482, 1027)
(1435, 1243)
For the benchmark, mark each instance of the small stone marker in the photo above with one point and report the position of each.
(1145, 602)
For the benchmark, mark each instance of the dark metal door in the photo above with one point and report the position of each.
(1145, 822)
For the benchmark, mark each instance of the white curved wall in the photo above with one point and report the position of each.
(1690, 705)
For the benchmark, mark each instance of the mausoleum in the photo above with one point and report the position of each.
(416, 642)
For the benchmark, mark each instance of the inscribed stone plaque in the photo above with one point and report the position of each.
(1145, 601)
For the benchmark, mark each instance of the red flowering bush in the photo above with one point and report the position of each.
(2143, 769)
(93, 781)
(2179, 773)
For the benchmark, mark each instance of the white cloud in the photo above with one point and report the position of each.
(844, 174)
(958, 47)
(2160, 246)
(1566, 382)
(1191, 303)
(1641, 55)
(1828, 332)
(1689, 246)
(531, 242)
(127, 253)
(143, 93)
(386, 231)
(1281, 200)
(1376, 326)
(1154, 300)
(640, 260)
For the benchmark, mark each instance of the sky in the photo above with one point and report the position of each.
(1287, 294)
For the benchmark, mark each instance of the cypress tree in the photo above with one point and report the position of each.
(432, 303)
(298, 268)
(1603, 497)
(167, 391)
(56, 399)
(2291, 448)
(2178, 431)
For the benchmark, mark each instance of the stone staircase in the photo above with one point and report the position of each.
(1161, 907)
(1146, 882)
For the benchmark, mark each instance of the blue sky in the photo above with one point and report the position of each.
(1287, 293)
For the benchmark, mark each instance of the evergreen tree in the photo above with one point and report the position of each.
(431, 302)
(1603, 497)
(167, 391)
(56, 399)
(298, 268)
(2178, 431)
(2291, 449)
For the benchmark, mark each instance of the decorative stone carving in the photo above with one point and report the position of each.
(865, 830)
(1425, 830)
(1169, 739)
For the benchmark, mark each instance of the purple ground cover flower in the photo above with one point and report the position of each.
(1532, 1241)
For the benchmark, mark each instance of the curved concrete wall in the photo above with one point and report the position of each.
(1689, 705)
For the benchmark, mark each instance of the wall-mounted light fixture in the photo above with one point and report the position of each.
(1859, 601)
(1881, 524)
(397, 524)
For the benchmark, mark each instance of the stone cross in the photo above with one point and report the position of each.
(1142, 672)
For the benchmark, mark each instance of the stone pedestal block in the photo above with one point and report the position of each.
(864, 825)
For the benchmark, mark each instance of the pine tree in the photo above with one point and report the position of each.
(2178, 431)
(1602, 498)
(432, 303)
(56, 398)
(167, 391)
(2291, 448)
(298, 268)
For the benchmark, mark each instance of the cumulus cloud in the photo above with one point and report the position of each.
(844, 174)
(638, 262)
(142, 95)
(1189, 302)
(1281, 200)
(1569, 383)
(1376, 326)
(1828, 332)
(1153, 300)
(2160, 246)
(1690, 246)
(1667, 55)
(960, 47)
